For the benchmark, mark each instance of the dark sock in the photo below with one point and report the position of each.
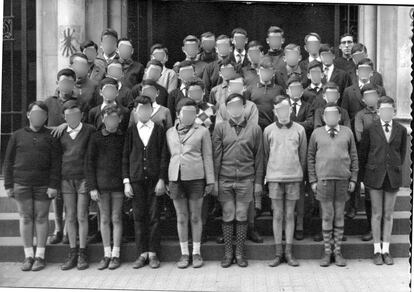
(228, 230)
(241, 234)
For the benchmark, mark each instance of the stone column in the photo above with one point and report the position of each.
(96, 19)
(367, 29)
(117, 16)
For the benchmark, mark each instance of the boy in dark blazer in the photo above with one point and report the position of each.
(255, 54)
(124, 96)
(315, 75)
(239, 40)
(133, 71)
(191, 48)
(359, 52)
(312, 46)
(144, 172)
(382, 152)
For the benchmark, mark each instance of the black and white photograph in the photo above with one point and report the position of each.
(195, 145)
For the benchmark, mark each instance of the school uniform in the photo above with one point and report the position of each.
(133, 73)
(144, 162)
(191, 164)
(262, 95)
(285, 159)
(352, 100)
(174, 97)
(303, 113)
(363, 119)
(375, 79)
(124, 96)
(207, 57)
(168, 79)
(161, 116)
(239, 58)
(312, 93)
(250, 75)
(277, 58)
(199, 67)
(108, 59)
(87, 93)
(211, 75)
(162, 98)
(284, 73)
(382, 154)
(32, 163)
(251, 114)
(95, 118)
(319, 122)
(305, 63)
(55, 104)
(339, 76)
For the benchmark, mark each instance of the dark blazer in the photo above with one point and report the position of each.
(310, 95)
(341, 78)
(245, 62)
(376, 78)
(378, 157)
(352, 100)
(211, 76)
(124, 97)
(277, 58)
(281, 76)
(133, 73)
(304, 117)
(162, 93)
(95, 119)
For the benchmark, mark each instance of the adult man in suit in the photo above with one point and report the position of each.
(344, 61)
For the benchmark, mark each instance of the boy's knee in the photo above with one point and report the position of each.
(182, 218)
(26, 218)
(376, 216)
(277, 216)
(39, 219)
(195, 218)
(387, 216)
(290, 216)
(116, 219)
(241, 215)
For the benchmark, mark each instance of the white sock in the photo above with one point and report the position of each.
(115, 251)
(28, 252)
(196, 247)
(40, 252)
(144, 255)
(184, 248)
(385, 247)
(107, 251)
(377, 247)
(151, 254)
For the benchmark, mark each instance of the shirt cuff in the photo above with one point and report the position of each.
(126, 181)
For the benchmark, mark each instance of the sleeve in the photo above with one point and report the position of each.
(168, 120)
(403, 146)
(164, 156)
(9, 162)
(171, 104)
(359, 127)
(303, 147)
(173, 82)
(311, 159)
(354, 158)
(206, 78)
(207, 153)
(253, 115)
(91, 159)
(363, 150)
(308, 122)
(318, 118)
(56, 164)
(346, 119)
(345, 100)
(125, 155)
(259, 153)
(217, 150)
(266, 150)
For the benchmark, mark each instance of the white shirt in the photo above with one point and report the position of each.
(104, 104)
(313, 86)
(109, 59)
(360, 84)
(155, 108)
(314, 59)
(329, 71)
(74, 132)
(298, 104)
(145, 130)
(239, 56)
(183, 89)
(387, 134)
(337, 128)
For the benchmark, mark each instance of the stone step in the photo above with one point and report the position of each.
(9, 225)
(12, 250)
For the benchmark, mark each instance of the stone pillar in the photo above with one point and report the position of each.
(96, 19)
(117, 16)
(71, 29)
(367, 29)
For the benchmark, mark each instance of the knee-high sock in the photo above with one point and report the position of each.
(338, 234)
(228, 230)
(241, 234)
(327, 237)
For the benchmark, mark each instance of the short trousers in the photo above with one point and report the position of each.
(74, 186)
(332, 190)
(189, 189)
(22, 192)
(281, 190)
(386, 186)
(233, 190)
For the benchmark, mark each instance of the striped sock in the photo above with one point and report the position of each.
(327, 237)
(338, 234)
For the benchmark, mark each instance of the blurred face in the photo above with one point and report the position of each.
(190, 49)
(153, 72)
(150, 91)
(111, 121)
(125, 50)
(80, 66)
(346, 45)
(254, 54)
(223, 47)
(327, 58)
(109, 93)
(364, 73)
(236, 86)
(295, 90)
(91, 53)
(115, 71)
(239, 41)
(227, 71)
(331, 116)
(196, 93)
(371, 98)
(208, 43)
(386, 111)
(275, 40)
(186, 73)
(315, 75)
(282, 111)
(143, 112)
(292, 57)
(73, 117)
(65, 84)
(313, 45)
(108, 45)
(37, 117)
(266, 74)
(159, 55)
(187, 115)
(331, 95)
(358, 56)
(235, 108)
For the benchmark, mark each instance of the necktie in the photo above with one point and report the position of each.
(387, 125)
(332, 132)
(326, 72)
(294, 108)
(316, 89)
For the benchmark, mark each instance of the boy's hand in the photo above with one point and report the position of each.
(209, 188)
(95, 195)
(128, 190)
(258, 189)
(58, 131)
(52, 193)
(215, 189)
(160, 188)
(351, 186)
(314, 187)
(257, 206)
(10, 193)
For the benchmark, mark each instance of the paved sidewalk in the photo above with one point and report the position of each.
(359, 275)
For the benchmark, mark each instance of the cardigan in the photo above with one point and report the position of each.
(32, 159)
(104, 161)
(139, 162)
(95, 118)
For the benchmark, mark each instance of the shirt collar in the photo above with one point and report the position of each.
(149, 124)
(383, 123)
(313, 86)
(243, 53)
(337, 128)
(291, 70)
(109, 58)
(234, 124)
(279, 125)
(314, 59)
(261, 84)
(360, 84)
(298, 102)
(182, 86)
(77, 129)
(119, 85)
(155, 108)
(105, 132)
(104, 104)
